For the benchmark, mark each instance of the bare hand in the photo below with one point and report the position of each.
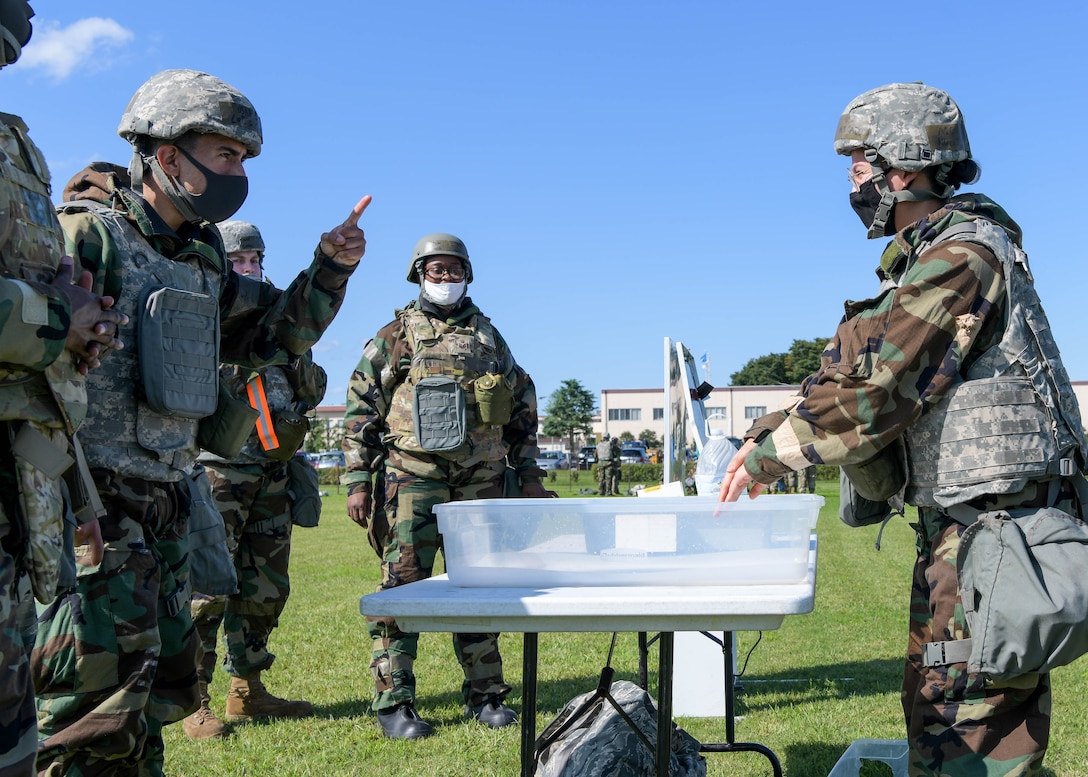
(360, 505)
(93, 328)
(90, 534)
(346, 244)
(737, 478)
(537, 491)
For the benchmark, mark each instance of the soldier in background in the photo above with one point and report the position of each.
(154, 247)
(615, 468)
(54, 331)
(956, 316)
(432, 452)
(605, 451)
(252, 492)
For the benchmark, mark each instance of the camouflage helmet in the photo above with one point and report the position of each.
(437, 244)
(910, 126)
(15, 29)
(241, 236)
(174, 102)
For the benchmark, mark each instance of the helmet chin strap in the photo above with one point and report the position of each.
(170, 187)
(889, 199)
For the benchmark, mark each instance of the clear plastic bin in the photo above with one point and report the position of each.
(892, 752)
(549, 543)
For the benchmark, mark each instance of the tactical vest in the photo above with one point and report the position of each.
(30, 249)
(459, 352)
(604, 451)
(122, 432)
(1013, 417)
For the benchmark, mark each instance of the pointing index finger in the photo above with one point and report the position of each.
(356, 212)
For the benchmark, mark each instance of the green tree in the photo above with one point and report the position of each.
(802, 359)
(649, 436)
(626, 437)
(569, 412)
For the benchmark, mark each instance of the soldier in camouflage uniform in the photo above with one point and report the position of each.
(251, 492)
(947, 324)
(54, 331)
(615, 468)
(115, 659)
(439, 354)
(606, 450)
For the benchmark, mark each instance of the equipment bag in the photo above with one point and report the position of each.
(1024, 590)
(602, 742)
(438, 412)
(211, 568)
(303, 488)
(226, 430)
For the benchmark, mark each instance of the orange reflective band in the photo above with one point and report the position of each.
(266, 430)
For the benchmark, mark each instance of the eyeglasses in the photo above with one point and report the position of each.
(858, 177)
(437, 272)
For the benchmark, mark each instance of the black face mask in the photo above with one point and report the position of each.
(865, 202)
(223, 194)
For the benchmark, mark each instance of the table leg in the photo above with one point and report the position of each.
(664, 703)
(528, 704)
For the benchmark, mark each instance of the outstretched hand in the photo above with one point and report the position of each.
(93, 328)
(346, 243)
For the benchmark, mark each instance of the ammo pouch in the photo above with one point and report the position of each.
(178, 338)
(40, 461)
(494, 399)
(438, 414)
(225, 431)
(1024, 588)
(303, 488)
(855, 510)
(291, 429)
(211, 568)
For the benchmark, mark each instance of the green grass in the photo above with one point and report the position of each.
(811, 687)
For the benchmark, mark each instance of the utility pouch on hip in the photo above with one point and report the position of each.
(178, 338)
(881, 477)
(226, 430)
(40, 460)
(305, 492)
(291, 429)
(438, 413)
(211, 567)
(494, 399)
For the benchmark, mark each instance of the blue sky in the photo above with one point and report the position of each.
(620, 171)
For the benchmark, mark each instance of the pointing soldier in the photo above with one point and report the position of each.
(154, 247)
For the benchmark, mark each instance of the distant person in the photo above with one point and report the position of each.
(951, 368)
(253, 493)
(605, 451)
(438, 407)
(148, 237)
(54, 331)
(615, 468)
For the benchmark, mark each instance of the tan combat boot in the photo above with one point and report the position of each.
(203, 724)
(247, 699)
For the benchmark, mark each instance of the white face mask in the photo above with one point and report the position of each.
(445, 295)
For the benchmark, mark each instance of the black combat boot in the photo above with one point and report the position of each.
(403, 722)
(492, 713)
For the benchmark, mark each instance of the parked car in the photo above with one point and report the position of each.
(329, 459)
(553, 460)
(632, 455)
(587, 456)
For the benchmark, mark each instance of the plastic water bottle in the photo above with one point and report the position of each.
(715, 457)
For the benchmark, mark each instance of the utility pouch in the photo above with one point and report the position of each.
(1024, 589)
(438, 413)
(304, 489)
(226, 430)
(291, 429)
(40, 461)
(494, 399)
(855, 510)
(881, 477)
(178, 338)
(211, 568)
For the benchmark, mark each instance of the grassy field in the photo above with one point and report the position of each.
(811, 687)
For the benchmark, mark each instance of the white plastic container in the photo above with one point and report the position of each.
(892, 752)
(549, 543)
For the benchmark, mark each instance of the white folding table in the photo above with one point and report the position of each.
(438, 605)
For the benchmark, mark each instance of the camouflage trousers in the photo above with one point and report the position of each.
(115, 657)
(256, 510)
(958, 724)
(18, 721)
(608, 478)
(410, 549)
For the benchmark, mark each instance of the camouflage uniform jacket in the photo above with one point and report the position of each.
(383, 373)
(894, 356)
(259, 325)
(38, 379)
